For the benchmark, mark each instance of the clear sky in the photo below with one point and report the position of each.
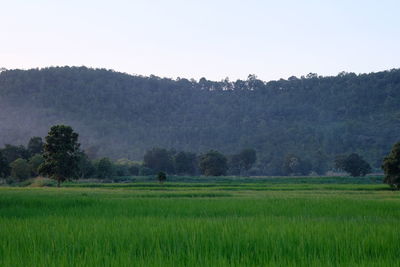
(205, 38)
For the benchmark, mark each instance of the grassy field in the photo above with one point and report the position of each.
(237, 222)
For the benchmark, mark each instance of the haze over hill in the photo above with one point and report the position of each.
(121, 115)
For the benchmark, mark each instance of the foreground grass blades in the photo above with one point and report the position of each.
(186, 225)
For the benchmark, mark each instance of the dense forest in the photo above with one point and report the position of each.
(122, 116)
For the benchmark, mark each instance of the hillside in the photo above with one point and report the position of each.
(121, 115)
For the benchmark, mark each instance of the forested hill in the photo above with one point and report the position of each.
(122, 115)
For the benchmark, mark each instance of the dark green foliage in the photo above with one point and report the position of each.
(35, 146)
(353, 164)
(129, 114)
(121, 170)
(104, 168)
(213, 163)
(161, 177)
(134, 169)
(185, 163)
(86, 169)
(159, 159)
(242, 161)
(144, 171)
(294, 165)
(61, 154)
(248, 157)
(34, 163)
(4, 166)
(340, 161)
(11, 152)
(391, 167)
(20, 170)
(126, 167)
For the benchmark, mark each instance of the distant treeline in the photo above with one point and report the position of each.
(314, 119)
(18, 163)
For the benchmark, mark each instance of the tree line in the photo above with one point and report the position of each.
(61, 157)
(61, 150)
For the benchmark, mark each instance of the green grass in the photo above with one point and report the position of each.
(230, 223)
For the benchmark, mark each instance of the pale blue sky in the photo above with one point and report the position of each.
(194, 39)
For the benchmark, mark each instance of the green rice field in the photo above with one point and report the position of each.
(266, 222)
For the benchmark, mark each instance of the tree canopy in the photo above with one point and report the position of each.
(391, 167)
(61, 154)
(213, 163)
(312, 117)
(353, 164)
(20, 169)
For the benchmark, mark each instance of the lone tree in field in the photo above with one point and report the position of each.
(353, 164)
(213, 163)
(161, 177)
(391, 167)
(61, 154)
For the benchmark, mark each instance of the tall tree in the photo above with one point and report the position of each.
(391, 167)
(61, 154)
